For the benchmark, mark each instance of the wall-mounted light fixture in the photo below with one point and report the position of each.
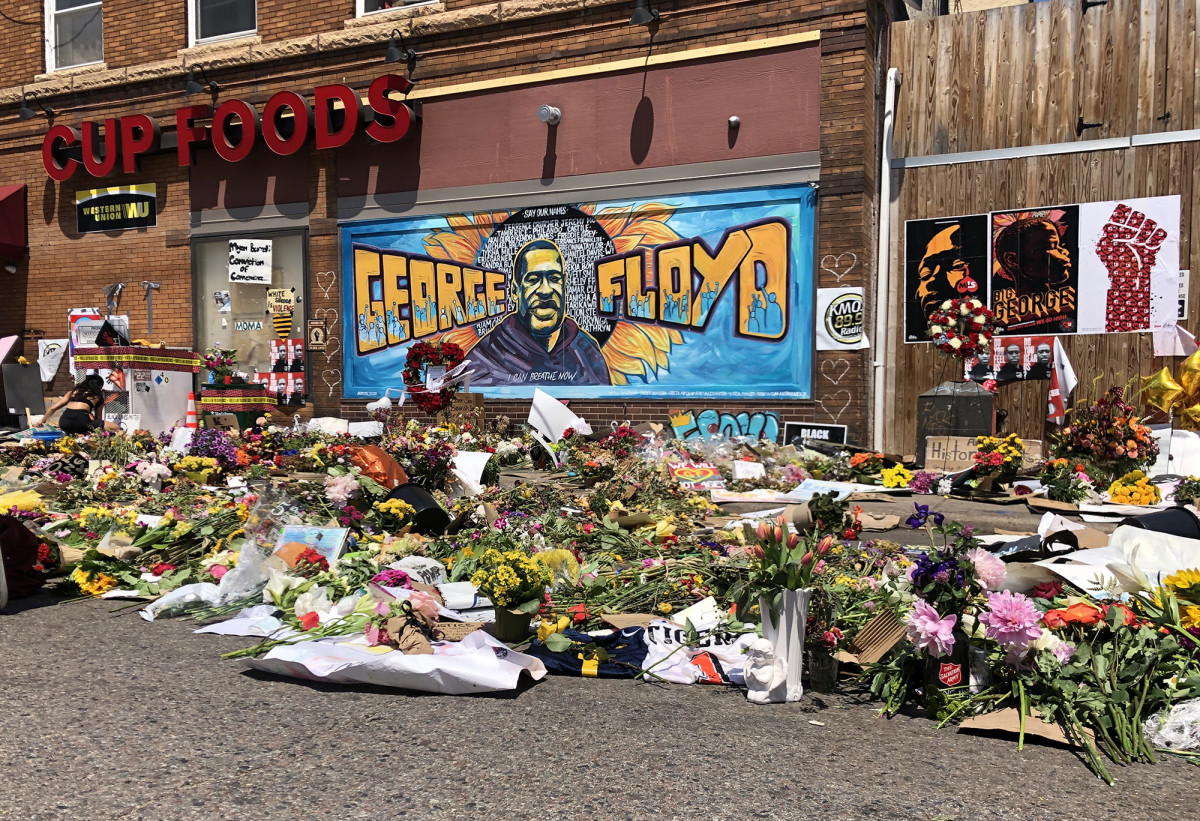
(194, 86)
(27, 113)
(550, 115)
(398, 50)
(10, 268)
(643, 16)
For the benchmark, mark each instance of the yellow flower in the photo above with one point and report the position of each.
(665, 608)
(1189, 616)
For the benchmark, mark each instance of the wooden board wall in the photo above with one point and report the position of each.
(1022, 76)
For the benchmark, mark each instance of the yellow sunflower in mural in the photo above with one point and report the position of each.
(630, 350)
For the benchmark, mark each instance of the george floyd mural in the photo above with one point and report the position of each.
(696, 295)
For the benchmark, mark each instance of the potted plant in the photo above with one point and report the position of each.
(515, 584)
(221, 363)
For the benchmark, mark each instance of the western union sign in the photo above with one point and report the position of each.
(116, 209)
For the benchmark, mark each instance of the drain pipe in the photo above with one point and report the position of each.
(883, 258)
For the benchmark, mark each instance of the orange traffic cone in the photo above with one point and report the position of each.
(191, 411)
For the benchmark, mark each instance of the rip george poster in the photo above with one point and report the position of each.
(1088, 268)
(697, 295)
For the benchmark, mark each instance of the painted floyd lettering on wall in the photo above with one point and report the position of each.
(1096, 267)
(714, 424)
(697, 295)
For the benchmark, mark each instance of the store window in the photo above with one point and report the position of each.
(373, 6)
(74, 33)
(220, 19)
(253, 317)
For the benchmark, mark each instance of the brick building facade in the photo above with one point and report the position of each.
(502, 55)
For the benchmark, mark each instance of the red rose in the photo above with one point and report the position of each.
(309, 620)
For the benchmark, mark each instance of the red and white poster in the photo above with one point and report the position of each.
(698, 475)
(1014, 358)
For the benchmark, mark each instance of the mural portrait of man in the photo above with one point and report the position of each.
(538, 342)
(945, 259)
(1034, 280)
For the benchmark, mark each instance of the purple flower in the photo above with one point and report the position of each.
(1064, 652)
(928, 632)
(1012, 620)
(919, 518)
(942, 576)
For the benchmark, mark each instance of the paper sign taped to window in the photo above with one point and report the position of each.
(250, 261)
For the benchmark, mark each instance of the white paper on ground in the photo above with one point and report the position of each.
(365, 430)
(703, 615)
(255, 622)
(748, 470)
(477, 664)
(1086, 569)
(181, 438)
(329, 424)
(550, 417)
(1052, 523)
(462, 596)
(468, 467)
(201, 593)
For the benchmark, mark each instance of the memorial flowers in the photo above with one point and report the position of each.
(1107, 437)
(962, 328)
(511, 579)
(1134, 488)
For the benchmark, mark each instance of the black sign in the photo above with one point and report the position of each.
(794, 433)
(116, 209)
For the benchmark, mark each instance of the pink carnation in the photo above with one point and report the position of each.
(1064, 652)
(928, 631)
(990, 570)
(218, 570)
(1012, 620)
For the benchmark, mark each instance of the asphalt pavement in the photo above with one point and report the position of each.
(105, 716)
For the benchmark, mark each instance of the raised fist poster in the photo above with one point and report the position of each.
(695, 295)
(1088, 268)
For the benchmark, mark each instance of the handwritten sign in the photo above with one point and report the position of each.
(697, 475)
(250, 261)
(281, 300)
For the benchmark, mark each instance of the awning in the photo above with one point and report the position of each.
(14, 238)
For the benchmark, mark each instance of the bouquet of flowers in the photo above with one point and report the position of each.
(962, 328)
(898, 476)
(1188, 490)
(420, 357)
(220, 361)
(1064, 481)
(996, 455)
(865, 465)
(1107, 436)
(1134, 488)
(511, 579)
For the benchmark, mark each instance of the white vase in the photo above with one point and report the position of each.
(785, 631)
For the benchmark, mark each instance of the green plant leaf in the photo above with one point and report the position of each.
(557, 643)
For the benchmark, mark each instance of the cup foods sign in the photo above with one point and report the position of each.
(118, 143)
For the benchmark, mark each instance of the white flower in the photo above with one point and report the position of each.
(979, 320)
(956, 343)
(944, 487)
(946, 305)
(935, 329)
(341, 488)
(313, 600)
(278, 584)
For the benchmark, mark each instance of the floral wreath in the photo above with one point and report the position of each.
(420, 356)
(962, 328)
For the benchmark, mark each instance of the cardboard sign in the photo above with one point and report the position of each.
(222, 421)
(697, 475)
(250, 261)
(464, 407)
(281, 300)
(794, 433)
(950, 453)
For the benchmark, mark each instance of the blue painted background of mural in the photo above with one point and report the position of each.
(655, 342)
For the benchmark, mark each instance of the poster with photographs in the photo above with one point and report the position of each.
(943, 259)
(1014, 358)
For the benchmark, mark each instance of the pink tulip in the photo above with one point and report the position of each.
(806, 559)
(824, 545)
(762, 530)
(778, 534)
(793, 539)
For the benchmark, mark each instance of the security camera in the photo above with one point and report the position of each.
(549, 114)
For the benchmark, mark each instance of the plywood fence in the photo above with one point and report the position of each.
(1023, 76)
